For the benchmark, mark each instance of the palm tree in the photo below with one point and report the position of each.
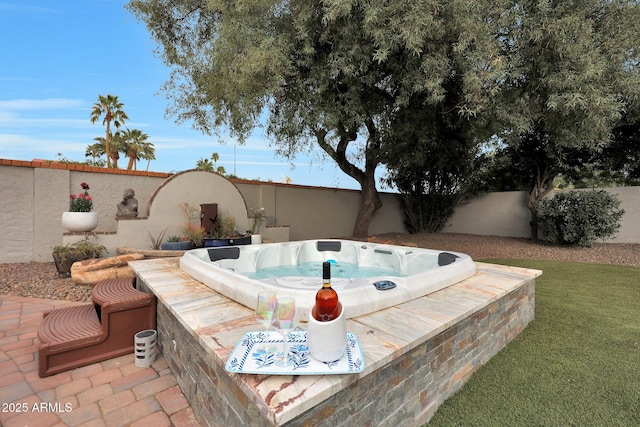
(148, 153)
(134, 141)
(111, 108)
(204, 164)
(218, 169)
(116, 147)
(95, 151)
(99, 148)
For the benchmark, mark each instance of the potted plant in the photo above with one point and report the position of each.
(156, 241)
(258, 218)
(227, 234)
(192, 230)
(80, 218)
(176, 243)
(65, 255)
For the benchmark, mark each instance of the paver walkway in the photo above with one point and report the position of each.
(110, 393)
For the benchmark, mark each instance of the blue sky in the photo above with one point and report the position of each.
(58, 56)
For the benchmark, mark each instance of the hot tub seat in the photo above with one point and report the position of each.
(76, 336)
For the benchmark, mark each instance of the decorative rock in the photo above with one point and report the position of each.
(101, 263)
(151, 253)
(95, 269)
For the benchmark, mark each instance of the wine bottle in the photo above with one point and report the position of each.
(326, 298)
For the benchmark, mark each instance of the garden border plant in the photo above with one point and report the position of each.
(579, 218)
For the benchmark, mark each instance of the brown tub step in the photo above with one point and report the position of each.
(80, 335)
(71, 327)
(120, 293)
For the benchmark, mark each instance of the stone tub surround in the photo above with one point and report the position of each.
(417, 353)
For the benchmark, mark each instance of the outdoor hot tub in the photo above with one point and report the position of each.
(367, 276)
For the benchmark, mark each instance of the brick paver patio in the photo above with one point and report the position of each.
(111, 393)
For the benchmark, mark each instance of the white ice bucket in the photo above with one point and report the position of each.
(327, 340)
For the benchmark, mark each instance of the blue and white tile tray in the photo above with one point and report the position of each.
(250, 356)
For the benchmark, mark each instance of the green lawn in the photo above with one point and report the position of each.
(576, 364)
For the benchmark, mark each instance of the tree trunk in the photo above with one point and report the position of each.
(369, 203)
(369, 197)
(542, 187)
(115, 157)
(107, 149)
(534, 225)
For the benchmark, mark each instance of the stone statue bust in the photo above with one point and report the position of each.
(128, 207)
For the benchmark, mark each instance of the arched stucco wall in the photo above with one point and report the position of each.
(196, 187)
(193, 187)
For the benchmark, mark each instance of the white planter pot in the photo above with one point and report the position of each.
(256, 239)
(80, 221)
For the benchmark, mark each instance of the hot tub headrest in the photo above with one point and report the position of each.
(227, 252)
(445, 258)
(328, 245)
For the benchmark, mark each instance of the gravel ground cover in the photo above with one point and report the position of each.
(40, 279)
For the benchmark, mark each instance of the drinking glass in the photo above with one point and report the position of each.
(283, 322)
(264, 308)
(264, 313)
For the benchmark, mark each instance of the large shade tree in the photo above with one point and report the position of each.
(331, 73)
(431, 153)
(109, 108)
(432, 148)
(573, 72)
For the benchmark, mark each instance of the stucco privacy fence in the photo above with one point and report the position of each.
(35, 193)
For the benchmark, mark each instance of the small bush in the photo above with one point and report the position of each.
(579, 218)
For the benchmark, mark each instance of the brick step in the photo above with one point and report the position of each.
(75, 336)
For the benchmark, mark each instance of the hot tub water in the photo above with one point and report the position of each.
(344, 270)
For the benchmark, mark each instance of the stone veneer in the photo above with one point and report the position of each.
(417, 354)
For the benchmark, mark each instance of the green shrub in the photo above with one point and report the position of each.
(427, 212)
(579, 218)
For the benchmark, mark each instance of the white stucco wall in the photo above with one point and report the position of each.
(33, 199)
(494, 214)
(17, 213)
